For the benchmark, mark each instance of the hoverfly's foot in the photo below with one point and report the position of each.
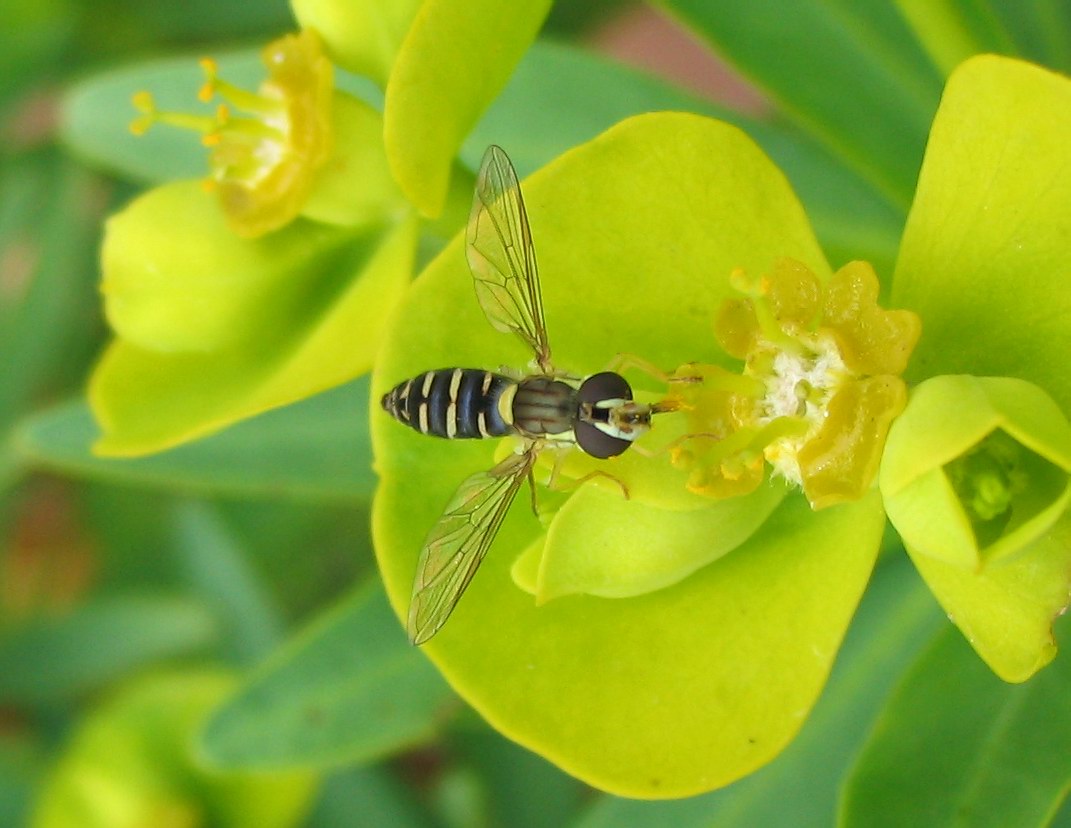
(684, 374)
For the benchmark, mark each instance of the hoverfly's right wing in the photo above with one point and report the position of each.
(457, 544)
(502, 258)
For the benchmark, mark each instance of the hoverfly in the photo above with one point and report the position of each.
(545, 408)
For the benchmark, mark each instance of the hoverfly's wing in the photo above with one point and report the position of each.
(457, 544)
(502, 258)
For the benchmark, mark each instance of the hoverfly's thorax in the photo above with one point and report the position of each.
(544, 405)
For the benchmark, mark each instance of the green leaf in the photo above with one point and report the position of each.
(455, 59)
(22, 764)
(957, 746)
(374, 793)
(222, 575)
(1037, 30)
(954, 30)
(985, 257)
(37, 37)
(203, 20)
(49, 226)
(96, 115)
(349, 689)
(560, 96)
(54, 659)
(317, 448)
(885, 87)
(801, 787)
(514, 786)
(643, 696)
(320, 330)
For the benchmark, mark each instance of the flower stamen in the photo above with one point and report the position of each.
(262, 162)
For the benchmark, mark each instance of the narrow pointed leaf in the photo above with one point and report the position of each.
(886, 86)
(349, 689)
(57, 659)
(221, 573)
(317, 448)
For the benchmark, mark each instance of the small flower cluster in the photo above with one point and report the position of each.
(819, 389)
(264, 162)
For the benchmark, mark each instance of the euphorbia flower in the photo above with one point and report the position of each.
(245, 295)
(263, 161)
(213, 328)
(721, 631)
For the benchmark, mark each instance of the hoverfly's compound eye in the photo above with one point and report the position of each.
(604, 386)
(597, 443)
(596, 389)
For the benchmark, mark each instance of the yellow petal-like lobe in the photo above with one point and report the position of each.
(872, 340)
(841, 461)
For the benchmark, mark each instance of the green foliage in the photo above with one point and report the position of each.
(130, 764)
(51, 660)
(1003, 760)
(182, 637)
(317, 448)
(886, 90)
(349, 690)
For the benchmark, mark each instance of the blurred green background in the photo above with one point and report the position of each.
(156, 584)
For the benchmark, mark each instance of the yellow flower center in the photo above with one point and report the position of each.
(798, 385)
(262, 162)
(820, 386)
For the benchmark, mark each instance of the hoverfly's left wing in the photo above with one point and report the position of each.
(502, 258)
(457, 544)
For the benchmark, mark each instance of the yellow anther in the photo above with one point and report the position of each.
(143, 102)
(208, 88)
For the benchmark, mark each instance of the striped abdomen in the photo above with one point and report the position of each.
(452, 403)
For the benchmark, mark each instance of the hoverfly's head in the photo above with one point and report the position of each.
(609, 419)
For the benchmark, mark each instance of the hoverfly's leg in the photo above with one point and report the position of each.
(598, 473)
(555, 473)
(532, 491)
(623, 361)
